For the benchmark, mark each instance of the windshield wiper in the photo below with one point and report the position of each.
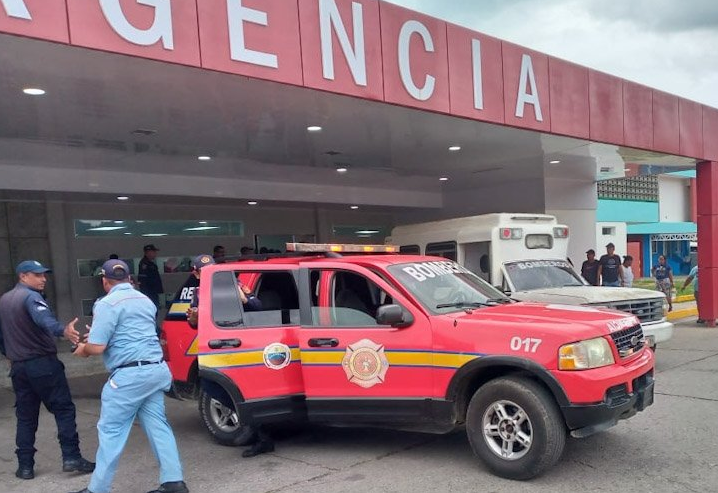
(463, 304)
(500, 301)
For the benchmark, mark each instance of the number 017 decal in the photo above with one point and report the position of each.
(527, 345)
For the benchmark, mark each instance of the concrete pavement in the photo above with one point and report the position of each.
(670, 447)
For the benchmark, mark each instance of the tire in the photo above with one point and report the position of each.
(532, 433)
(223, 423)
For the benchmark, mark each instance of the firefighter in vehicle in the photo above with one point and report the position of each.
(262, 440)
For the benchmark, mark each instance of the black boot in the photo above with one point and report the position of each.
(259, 447)
(25, 472)
(81, 465)
(172, 487)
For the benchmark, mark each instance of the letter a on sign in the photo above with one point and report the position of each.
(161, 28)
(528, 77)
(16, 8)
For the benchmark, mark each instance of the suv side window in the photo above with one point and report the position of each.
(446, 249)
(353, 301)
(277, 294)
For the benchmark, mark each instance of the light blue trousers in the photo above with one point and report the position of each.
(131, 392)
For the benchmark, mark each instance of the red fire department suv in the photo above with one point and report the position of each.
(411, 342)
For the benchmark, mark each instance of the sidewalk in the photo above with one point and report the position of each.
(683, 309)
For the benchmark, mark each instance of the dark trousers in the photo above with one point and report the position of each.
(36, 381)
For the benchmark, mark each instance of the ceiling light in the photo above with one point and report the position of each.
(455, 148)
(123, 197)
(118, 222)
(203, 222)
(367, 232)
(33, 91)
(314, 128)
(444, 178)
(204, 158)
(354, 207)
(106, 228)
(342, 169)
(252, 202)
(155, 234)
(201, 228)
(126, 233)
(554, 162)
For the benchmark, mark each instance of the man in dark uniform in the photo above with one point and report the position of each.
(609, 268)
(149, 277)
(28, 330)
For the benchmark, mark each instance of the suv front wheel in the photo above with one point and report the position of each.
(515, 427)
(223, 422)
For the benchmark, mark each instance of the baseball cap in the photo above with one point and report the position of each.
(202, 260)
(115, 269)
(150, 247)
(591, 250)
(31, 266)
(610, 245)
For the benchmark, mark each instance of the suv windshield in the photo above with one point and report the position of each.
(541, 274)
(445, 286)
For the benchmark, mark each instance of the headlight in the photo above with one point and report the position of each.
(584, 355)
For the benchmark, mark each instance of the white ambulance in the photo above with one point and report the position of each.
(525, 256)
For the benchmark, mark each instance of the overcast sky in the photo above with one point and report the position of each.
(670, 45)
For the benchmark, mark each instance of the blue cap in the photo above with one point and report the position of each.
(31, 266)
(202, 260)
(115, 269)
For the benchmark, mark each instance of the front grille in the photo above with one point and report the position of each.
(628, 341)
(650, 310)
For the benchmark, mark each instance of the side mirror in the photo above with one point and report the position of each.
(392, 315)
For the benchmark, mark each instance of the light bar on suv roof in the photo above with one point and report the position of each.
(340, 248)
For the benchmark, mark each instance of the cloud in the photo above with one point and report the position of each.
(661, 15)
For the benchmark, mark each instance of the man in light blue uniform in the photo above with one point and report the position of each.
(123, 331)
(693, 276)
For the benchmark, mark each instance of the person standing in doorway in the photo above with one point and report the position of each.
(627, 271)
(693, 277)
(123, 332)
(28, 330)
(609, 268)
(149, 279)
(663, 274)
(218, 254)
(589, 268)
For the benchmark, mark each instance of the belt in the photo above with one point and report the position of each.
(139, 363)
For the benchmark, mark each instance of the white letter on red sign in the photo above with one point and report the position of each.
(527, 76)
(409, 28)
(16, 8)
(329, 17)
(161, 28)
(478, 82)
(237, 15)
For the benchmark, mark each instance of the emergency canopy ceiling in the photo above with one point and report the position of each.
(131, 104)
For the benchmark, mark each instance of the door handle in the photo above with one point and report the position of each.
(223, 343)
(321, 342)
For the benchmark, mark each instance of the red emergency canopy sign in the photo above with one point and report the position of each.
(377, 50)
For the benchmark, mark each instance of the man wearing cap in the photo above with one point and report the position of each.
(123, 331)
(197, 263)
(589, 268)
(609, 268)
(149, 276)
(28, 330)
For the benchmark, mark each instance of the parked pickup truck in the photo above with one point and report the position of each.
(411, 342)
(555, 281)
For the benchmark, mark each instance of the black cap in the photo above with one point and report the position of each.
(202, 260)
(115, 269)
(150, 248)
(610, 245)
(591, 250)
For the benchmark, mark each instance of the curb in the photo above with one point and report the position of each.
(683, 313)
(684, 299)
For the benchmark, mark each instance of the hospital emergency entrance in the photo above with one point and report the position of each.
(122, 128)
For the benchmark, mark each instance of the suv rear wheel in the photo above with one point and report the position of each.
(223, 422)
(515, 427)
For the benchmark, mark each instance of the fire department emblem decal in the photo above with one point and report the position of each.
(277, 356)
(365, 363)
